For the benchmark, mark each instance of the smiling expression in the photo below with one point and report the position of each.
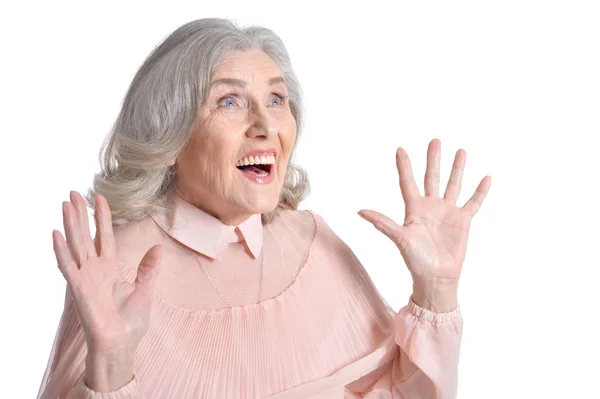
(245, 114)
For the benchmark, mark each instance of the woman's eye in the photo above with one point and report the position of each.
(279, 100)
(231, 101)
(227, 101)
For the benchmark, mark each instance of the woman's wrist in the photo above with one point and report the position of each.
(108, 372)
(436, 297)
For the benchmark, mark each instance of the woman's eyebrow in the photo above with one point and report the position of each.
(241, 83)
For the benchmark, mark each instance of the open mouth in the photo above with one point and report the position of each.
(258, 170)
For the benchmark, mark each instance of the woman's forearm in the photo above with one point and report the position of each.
(108, 372)
(436, 297)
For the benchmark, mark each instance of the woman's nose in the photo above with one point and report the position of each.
(262, 123)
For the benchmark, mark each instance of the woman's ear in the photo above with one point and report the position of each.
(172, 162)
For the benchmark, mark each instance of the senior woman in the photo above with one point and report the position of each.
(205, 280)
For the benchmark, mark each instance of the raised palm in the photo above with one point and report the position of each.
(113, 313)
(433, 239)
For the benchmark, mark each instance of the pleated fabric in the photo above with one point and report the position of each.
(329, 334)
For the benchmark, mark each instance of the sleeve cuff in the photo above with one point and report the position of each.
(432, 317)
(127, 391)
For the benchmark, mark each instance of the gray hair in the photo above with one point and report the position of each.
(160, 110)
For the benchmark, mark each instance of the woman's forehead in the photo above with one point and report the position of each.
(247, 68)
(243, 84)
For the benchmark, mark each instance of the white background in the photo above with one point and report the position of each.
(514, 83)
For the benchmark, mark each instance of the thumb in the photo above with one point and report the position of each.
(384, 224)
(149, 269)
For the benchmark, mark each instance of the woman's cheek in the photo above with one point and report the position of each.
(282, 169)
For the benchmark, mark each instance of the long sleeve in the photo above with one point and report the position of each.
(425, 363)
(64, 376)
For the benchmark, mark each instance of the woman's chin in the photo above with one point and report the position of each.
(263, 206)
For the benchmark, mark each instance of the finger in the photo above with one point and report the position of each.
(149, 269)
(473, 205)
(105, 239)
(73, 233)
(66, 264)
(84, 225)
(432, 173)
(384, 224)
(455, 180)
(408, 186)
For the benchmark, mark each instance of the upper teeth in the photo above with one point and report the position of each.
(263, 159)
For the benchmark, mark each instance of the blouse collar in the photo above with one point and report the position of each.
(205, 233)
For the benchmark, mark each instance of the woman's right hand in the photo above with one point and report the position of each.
(113, 313)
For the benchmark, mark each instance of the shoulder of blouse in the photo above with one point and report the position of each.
(298, 224)
(134, 239)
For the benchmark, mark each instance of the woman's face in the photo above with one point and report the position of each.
(246, 110)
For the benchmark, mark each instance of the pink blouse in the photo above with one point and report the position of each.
(314, 326)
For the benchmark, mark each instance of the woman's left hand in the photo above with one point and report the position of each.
(433, 239)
